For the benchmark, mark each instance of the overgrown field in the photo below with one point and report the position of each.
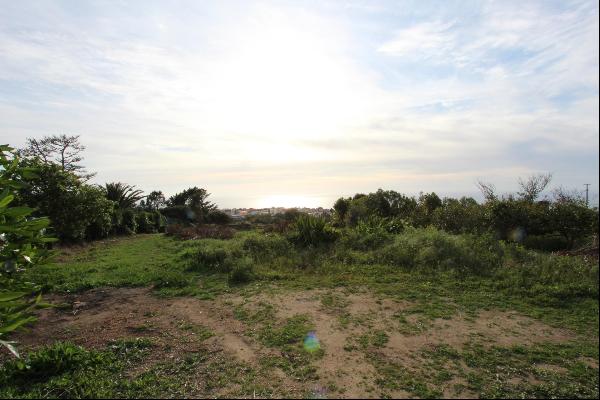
(421, 313)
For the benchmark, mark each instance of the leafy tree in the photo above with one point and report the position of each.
(60, 149)
(460, 216)
(218, 217)
(533, 186)
(195, 199)
(430, 201)
(341, 208)
(154, 201)
(573, 220)
(125, 196)
(76, 210)
(22, 245)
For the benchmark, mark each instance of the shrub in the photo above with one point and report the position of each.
(573, 221)
(129, 224)
(218, 217)
(312, 231)
(370, 233)
(460, 216)
(180, 213)
(210, 259)
(159, 221)
(48, 362)
(241, 272)
(144, 222)
(71, 205)
(22, 245)
(431, 250)
(550, 242)
(265, 245)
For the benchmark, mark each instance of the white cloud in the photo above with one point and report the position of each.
(277, 101)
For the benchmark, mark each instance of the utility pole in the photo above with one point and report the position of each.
(587, 194)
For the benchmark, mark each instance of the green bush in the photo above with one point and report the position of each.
(76, 210)
(573, 221)
(159, 221)
(265, 245)
(129, 224)
(241, 272)
(432, 250)
(210, 259)
(48, 362)
(370, 233)
(179, 213)
(144, 222)
(217, 217)
(550, 242)
(312, 231)
(460, 216)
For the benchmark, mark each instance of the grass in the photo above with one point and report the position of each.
(541, 286)
(140, 260)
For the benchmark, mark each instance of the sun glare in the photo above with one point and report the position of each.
(282, 81)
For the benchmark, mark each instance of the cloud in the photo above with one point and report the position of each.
(276, 97)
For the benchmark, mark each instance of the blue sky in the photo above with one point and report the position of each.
(296, 103)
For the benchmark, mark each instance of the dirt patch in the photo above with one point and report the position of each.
(179, 325)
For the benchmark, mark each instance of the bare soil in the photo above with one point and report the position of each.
(97, 317)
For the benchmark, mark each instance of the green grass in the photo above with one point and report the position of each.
(559, 291)
(65, 370)
(140, 260)
(164, 263)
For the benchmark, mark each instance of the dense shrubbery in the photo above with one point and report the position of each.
(430, 249)
(508, 266)
(542, 225)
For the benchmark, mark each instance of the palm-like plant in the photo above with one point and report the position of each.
(124, 195)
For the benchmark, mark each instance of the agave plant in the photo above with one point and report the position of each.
(124, 195)
(312, 231)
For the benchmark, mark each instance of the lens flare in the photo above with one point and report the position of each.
(311, 342)
(318, 392)
(517, 235)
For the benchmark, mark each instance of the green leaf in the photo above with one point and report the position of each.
(8, 296)
(13, 325)
(6, 200)
(17, 212)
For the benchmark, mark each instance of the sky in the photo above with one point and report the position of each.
(296, 103)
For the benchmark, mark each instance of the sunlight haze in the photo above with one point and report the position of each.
(296, 103)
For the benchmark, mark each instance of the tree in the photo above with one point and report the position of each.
(154, 201)
(573, 220)
(533, 186)
(488, 190)
(341, 208)
(195, 201)
(125, 196)
(60, 149)
(430, 201)
(22, 245)
(76, 210)
(563, 195)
